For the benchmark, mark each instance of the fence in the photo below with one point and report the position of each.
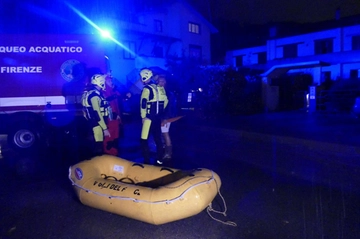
(336, 100)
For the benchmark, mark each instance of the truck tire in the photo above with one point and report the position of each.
(24, 138)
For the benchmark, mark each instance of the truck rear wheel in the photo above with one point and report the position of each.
(23, 138)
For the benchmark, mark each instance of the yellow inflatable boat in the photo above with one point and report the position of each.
(148, 193)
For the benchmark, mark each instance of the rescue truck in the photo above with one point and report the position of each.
(42, 79)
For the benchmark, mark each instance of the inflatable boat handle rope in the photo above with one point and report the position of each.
(209, 208)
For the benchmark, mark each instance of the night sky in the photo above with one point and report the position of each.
(265, 11)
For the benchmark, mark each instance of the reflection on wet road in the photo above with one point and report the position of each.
(272, 190)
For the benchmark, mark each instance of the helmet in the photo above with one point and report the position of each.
(145, 74)
(98, 80)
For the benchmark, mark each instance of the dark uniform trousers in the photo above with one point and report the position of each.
(155, 131)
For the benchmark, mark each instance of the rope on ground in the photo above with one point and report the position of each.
(210, 209)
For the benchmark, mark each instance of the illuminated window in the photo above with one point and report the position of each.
(323, 46)
(195, 51)
(189, 97)
(158, 26)
(194, 28)
(129, 50)
(290, 51)
(355, 44)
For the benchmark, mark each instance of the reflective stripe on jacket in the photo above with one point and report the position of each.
(153, 101)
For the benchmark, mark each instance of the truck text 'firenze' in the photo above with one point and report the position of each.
(21, 69)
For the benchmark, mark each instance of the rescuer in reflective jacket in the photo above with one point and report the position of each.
(152, 104)
(96, 112)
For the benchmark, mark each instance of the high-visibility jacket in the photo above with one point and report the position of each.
(95, 108)
(153, 101)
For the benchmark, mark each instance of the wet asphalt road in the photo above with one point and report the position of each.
(272, 190)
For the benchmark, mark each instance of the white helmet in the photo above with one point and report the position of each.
(98, 80)
(145, 74)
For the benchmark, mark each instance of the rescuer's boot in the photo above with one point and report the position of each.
(145, 151)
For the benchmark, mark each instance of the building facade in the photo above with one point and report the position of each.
(330, 54)
(171, 31)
